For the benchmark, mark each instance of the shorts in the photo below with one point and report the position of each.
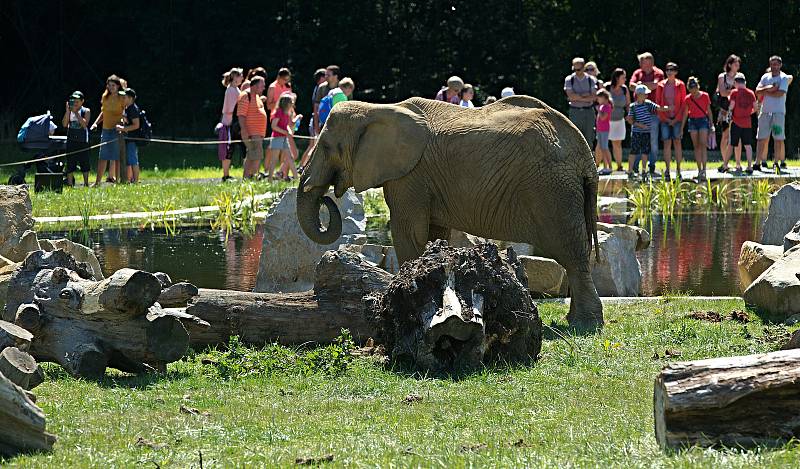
(696, 124)
(255, 148)
(279, 143)
(109, 151)
(617, 132)
(771, 123)
(602, 140)
(225, 148)
(670, 132)
(640, 143)
(131, 154)
(80, 159)
(743, 134)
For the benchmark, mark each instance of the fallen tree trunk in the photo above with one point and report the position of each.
(86, 325)
(177, 295)
(23, 423)
(338, 301)
(731, 401)
(20, 368)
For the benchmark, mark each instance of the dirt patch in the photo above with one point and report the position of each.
(306, 461)
(710, 316)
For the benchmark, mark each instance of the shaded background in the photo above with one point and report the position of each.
(173, 52)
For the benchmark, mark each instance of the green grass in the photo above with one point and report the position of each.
(691, 165)
(587, 403)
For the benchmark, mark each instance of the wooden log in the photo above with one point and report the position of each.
(341, 299)
(85, 325)
(23, 423)
(730, 401)
(454, 309)
(177, 295)
(20, 368)
(12, 335)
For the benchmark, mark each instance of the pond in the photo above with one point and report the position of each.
(695, 253)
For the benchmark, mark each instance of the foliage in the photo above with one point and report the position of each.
(238, 361)
(375, 204)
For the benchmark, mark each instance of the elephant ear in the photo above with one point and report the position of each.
(389, 146)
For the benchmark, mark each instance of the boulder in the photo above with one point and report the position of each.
(383, 257)
(777, 290)
(546, 277)
(792, 238)
(784, 211)
(618, 273)
(15, 220)
(288, 257)
(754, 259)
(81, 253)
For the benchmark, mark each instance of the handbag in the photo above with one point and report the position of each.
(712, 141)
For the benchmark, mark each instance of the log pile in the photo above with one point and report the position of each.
(454, 309)
(731, 401)
(85, 325)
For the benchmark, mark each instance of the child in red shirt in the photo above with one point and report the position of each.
(283, 123)
(697, 105)
(742, 103)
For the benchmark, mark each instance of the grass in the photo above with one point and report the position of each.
(585, 403)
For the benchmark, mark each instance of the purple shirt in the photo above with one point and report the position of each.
(442, 96)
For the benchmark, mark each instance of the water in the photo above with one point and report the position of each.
(695, 253)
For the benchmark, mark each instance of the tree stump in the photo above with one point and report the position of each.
(86, 325)
(12, 335)
(455, 308)
(22, 427)
(731, 401)
(20, 368)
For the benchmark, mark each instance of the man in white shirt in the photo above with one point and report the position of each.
(772, 117)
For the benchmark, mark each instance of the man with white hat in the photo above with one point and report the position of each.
(507, 91)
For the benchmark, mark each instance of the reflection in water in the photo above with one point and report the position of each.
(696, 252)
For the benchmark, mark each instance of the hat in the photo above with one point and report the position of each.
(122, 93)
(76, 95)
(507, 91)
(642, 89)
(128, 92)
(739, 77)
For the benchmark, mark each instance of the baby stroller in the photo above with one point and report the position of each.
(36, 137)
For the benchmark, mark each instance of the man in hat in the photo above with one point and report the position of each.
(580, 89)
(76, 121)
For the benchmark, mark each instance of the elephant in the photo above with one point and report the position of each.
(516, 170)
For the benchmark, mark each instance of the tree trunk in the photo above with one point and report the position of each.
(341, 299)
(20, 368)
(85, 325)
(177, 295)
(23, 423)
(731, 401)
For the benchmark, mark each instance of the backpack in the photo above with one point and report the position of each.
(145, 130)
(325, 106)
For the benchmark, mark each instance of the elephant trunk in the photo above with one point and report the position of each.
(308, 205)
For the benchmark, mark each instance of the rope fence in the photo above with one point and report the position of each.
(136, 139)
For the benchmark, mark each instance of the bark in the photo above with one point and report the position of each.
(730, 401)
(20, 368)
(23, 423)
(177, 295)
(85, 325)
(454, 309)
(341, 299)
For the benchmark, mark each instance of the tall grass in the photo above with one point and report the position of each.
(670, 197)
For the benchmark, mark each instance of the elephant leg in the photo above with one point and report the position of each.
(585, 307)
(410, 236)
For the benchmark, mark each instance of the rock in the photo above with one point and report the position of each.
(5, 277)
(618, 273)
(784, 211)
(754, 259)
(383, 257)
(459, 239)
(288, 257)
(777, 290)
(165, 280)
(15, 220)
(794, 341)
(792, 238)
(28, 242)
(792, 320)
(546, 277)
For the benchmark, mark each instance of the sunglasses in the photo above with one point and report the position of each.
(590, 69)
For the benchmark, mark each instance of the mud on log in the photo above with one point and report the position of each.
(454, 309)
(86, 325)
(343, 280)
(730, 401)
(22, 427)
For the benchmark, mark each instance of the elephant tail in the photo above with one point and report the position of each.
(590, 212)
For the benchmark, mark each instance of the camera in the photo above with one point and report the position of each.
(71, 102)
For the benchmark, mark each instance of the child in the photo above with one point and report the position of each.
(466, 94)
(76, 121)
(697, 105)
(641, 115)
(742, 105)
(603, 125)
(130, 123)
(282, 130)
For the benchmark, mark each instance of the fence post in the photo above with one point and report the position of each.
(123, 159)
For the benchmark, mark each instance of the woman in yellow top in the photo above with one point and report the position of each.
(112, 104)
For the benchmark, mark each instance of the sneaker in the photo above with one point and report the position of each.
(749, 171)
(776, 168)
(723, 169)
(620, 169)
(738, 171)
(654, 173)
(783, 164)
(666, 176)
(643, 176)
(226, 178)
(604, 172)
(701, 176)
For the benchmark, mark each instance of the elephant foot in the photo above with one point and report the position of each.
(585, 308)
(585, 322)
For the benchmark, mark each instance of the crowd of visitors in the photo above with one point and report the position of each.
(660, 107)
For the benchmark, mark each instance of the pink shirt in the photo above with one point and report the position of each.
(281, 120)
(604, 125)
(231, 97)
